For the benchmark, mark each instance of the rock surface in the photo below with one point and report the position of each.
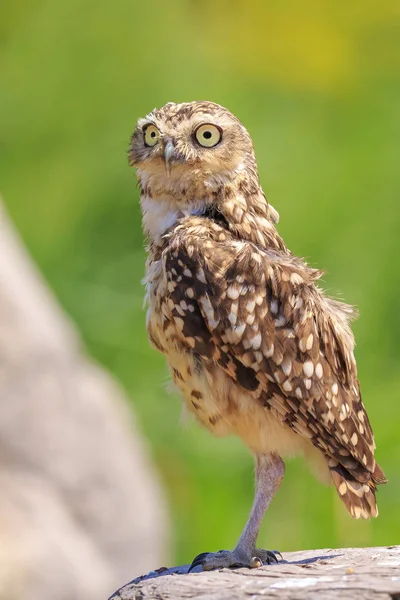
(81, 508)
(345, 574)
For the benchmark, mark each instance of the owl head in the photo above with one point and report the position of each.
(188, 147)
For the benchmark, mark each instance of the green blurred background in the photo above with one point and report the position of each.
(317, 84)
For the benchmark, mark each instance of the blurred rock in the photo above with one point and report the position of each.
(80, 506)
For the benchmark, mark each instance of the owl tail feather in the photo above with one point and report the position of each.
(358, 498)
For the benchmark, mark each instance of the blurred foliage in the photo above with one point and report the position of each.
(317, 85)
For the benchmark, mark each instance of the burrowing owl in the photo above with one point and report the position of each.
(253, 344)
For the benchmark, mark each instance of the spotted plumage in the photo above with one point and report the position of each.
(253, 344)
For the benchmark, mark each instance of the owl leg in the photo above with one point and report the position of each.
(270, 469)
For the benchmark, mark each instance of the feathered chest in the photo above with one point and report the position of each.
(174, 322)
(162, 326)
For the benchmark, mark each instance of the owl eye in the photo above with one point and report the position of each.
(208, 135)
(151, 135)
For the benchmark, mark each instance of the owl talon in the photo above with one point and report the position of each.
(269, 557)
(234, 560)
(198, 561)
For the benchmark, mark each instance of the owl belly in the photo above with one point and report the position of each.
(221, 405)
(217, 401)
(189, 375)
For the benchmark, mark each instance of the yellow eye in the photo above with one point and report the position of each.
(208, 135)
(151, 135)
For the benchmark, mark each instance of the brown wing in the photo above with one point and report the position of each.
(259, 315)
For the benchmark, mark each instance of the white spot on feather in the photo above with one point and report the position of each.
(287, 366)
(274, 306)
(308, 368)
(232, 318)
(256, 341)
(250, 319)
(287, 386)
(232, 293)
(310, 341)
(280, 322)
(200, 275)
(296, 279)
(250, 306)
(270, 351)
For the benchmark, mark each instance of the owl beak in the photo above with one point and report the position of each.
(168, 152)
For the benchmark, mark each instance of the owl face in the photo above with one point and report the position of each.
(192, 140)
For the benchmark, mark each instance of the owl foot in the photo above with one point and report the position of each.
(235, 559)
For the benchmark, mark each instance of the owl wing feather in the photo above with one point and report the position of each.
(259, 315)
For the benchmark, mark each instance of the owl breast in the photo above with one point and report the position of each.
(214, 398)
(188, 371)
